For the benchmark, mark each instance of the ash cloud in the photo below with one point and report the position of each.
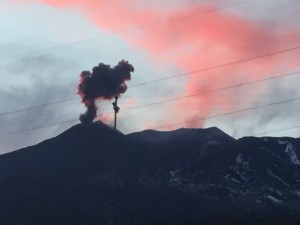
(103, 83)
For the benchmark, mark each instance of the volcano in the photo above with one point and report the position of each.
(186, 176)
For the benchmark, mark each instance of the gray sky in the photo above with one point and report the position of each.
(45, 45)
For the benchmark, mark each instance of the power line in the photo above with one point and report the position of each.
(39, 127)
(214, 90)
(167, 78)
(170, 77)
(274, 131)
(230, 113)
(174, 124)
(38, 106)
(218, 66)
(211, 91)
(130, 29)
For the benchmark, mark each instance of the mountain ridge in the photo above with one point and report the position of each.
(193, 177)
(163, 137)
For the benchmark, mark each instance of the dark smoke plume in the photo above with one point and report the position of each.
(104, 83)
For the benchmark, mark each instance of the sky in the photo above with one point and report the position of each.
(233, 64)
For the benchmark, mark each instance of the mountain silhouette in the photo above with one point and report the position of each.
(186, 176)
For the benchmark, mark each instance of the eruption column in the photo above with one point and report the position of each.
(103, 83)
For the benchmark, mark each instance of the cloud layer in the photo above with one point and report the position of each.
(195, 37)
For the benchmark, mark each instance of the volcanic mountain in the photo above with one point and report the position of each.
(185, 176)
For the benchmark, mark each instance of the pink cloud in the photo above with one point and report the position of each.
(199, 41)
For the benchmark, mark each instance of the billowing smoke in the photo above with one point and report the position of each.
(103, 83)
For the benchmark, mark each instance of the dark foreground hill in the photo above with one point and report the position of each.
(187, 176)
